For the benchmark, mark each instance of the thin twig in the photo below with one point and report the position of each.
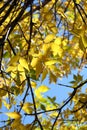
(76, 5)
(22, 33)
(65, 85)
(31, 28)
(56, 119)
(79, 107)
(11, 46)
(34, 103)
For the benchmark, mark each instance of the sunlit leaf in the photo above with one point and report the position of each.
(53, 1)
(45, 72)
(11, 68)
(56, 47)
(14, 60)
(33, 84)
(34, 62)
(41, 89)
(20, 68)
(53, 77)
(51, 62)
(27, 107)
(49, 38)
(7, 105)
(3, 92)
(14, 115)
(16, 123)
(23, 63)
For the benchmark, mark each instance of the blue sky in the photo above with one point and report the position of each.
(61, 92)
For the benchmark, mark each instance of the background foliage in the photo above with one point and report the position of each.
(39, 40)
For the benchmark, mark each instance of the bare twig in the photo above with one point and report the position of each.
(35, 109)
(31, 28)
(84, 104)
(77, 7)
(65, 85)
(11, 46)
(56, 119)
(8, 12)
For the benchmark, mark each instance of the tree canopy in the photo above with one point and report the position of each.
(42, 40)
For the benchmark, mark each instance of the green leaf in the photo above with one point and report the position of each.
(6, 54)
(75, 77)
(43, 107)
(52, 100)
(80, 78)
(73, 82)
(32, 74)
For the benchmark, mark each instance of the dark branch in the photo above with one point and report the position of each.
(34, 103)
(77, 7)
(8, 12)
(4, 6)
(11, 46)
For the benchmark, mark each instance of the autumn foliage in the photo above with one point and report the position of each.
(41, 42)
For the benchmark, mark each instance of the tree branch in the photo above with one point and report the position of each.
(8, 12)
(4, 6)
(11, 46)
(76, 5)
(35, 109)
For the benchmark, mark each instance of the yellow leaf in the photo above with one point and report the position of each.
(51, 62)
(53, 1)
(11, 68)
(27, 107)
(14, 59)
(34, 62)
(48, 16)
(8, 106)
(39, 69)
(84, 39)
(22, 76)
(46, 48)
(22, 72)
(56, 49)
(20, 68)
(29, 126)
(38, 94)
(13, 75)
(2, 93)
(80, 33)
(58, 41)
(61, 12)
(15, 124)
(53, 78)
(42, 89)
(33, 84)
(78, 1)
(44, 74)
(14, 115)
(52, 27)
(1, 82)
(23, 63)
(49, 38)
(54, 30)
